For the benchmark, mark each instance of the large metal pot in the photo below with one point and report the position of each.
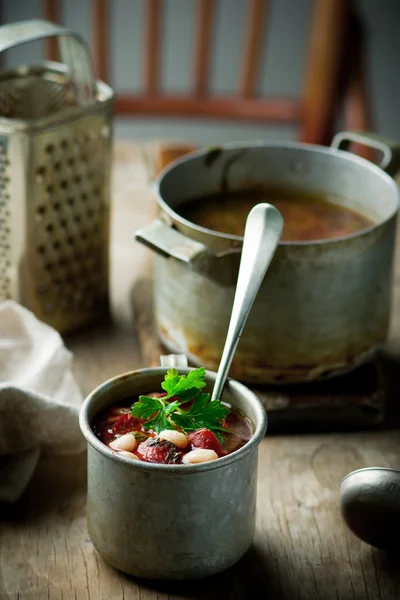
(323, 307)
(161, 521)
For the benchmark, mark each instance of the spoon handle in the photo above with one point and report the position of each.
(262, 233)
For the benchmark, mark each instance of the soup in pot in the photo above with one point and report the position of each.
(307, 216)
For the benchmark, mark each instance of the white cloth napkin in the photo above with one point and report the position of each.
(39, 398)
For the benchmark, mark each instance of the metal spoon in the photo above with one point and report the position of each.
(261, 236)
(369, 502)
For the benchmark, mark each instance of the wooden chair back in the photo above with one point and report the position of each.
(325, 73)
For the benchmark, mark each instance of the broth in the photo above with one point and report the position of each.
(307, 216)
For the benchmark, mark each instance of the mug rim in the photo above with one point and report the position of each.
(328, 150)
(259, 428)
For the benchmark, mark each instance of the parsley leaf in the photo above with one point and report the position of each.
(146, 407)
(161, 414)
(153, 407)
(159, 422)
(174, 384)
(172, 406)
(202, 413)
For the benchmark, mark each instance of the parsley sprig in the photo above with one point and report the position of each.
(161, 413)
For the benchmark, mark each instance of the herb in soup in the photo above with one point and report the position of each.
(180, 425)
(307, 216)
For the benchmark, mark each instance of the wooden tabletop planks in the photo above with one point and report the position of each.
(301, 550)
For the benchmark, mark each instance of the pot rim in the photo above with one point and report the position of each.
(348, 156)
(91, 399)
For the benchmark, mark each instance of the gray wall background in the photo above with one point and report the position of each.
(280, 72)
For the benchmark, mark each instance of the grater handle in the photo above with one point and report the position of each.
(74, 51)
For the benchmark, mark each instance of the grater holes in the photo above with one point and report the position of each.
(50, 228)
(10, 99)
(41, 249)
(49, 149)
(40, 174)
(73, 184)
(5, 230)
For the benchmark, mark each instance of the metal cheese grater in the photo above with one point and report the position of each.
(55, 162)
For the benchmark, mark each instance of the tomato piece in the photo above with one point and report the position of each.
(159, 451)
(204, 438)
(127, 423)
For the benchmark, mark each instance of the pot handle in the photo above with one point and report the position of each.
(390, 149)
(169, 242)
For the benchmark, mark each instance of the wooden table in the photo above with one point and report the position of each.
(301, 550)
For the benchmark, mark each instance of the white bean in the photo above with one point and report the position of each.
(199, 455)
(177, 438)
(126, 442)
(128, 454)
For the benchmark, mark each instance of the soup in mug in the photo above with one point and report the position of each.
(307, 216)
(180, 425)
(126, 434)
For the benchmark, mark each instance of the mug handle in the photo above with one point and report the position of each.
(390, 149)
(173, 360)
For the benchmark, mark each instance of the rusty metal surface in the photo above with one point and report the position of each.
(305, 324)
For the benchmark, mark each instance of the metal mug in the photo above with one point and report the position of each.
(324, 305)
(175, 522)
